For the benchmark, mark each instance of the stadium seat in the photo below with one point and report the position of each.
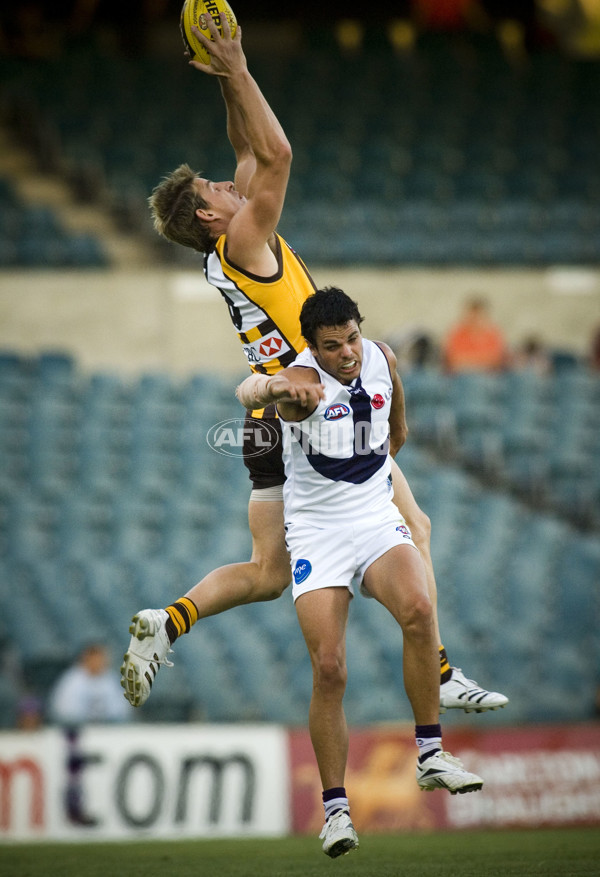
(32, 526)
(577, 574)
(35, 634)
(9, 703)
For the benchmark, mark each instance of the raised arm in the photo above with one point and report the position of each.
(260, 143)
(238, 137)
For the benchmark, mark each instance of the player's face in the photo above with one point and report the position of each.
(222, 198)
(338, 350)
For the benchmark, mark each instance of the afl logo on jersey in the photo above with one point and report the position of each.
(377, 401)
(336, 412)
(302, 570)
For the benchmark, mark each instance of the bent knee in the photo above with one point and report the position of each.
(272, 590)
(419, 618)
(272, 581)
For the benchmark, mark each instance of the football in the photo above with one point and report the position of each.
(191, 12)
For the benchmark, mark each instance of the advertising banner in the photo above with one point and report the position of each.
(184, 781)
(534, 776)
(137, 781)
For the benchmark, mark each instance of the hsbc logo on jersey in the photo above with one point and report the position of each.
(265, 349)
(271, 346)
(377, 401)
(336, 412)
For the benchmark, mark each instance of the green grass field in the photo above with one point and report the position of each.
(556, 853)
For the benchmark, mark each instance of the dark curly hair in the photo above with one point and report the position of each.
(327, 307)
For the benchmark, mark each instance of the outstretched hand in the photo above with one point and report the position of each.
(226, 54)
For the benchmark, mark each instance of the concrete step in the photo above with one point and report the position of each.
(124, 249)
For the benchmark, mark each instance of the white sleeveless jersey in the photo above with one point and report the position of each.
(336, 461)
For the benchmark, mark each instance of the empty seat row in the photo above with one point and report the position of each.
(81, 556)
(461, 125)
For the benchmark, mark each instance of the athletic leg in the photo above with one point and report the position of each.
(323, 615)
(264, 577)
(420, 526)
(397, 580)
(457, 692)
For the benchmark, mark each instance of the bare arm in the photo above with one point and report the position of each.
(397, 418)
(260, 143)
(297, 392)
(238, 137)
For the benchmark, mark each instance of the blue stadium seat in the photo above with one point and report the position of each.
(9, 703)
(577, 610)
(35, 633)
(32, 526)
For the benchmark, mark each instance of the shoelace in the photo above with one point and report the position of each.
(165, 661)
(469, 684)
(331, 820)
(451, 759)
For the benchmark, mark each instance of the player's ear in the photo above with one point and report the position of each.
(205, 214)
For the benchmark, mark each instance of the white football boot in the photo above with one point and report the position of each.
(148, 650)
(443, 771)
(338, 835)
(460, 693)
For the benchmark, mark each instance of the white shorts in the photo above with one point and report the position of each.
(331, 557)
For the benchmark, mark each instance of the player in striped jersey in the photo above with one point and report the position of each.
(264, 284)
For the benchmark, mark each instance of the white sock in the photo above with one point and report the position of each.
(334, 800)
(428, 739)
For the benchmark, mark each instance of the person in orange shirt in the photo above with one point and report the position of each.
(475, 343)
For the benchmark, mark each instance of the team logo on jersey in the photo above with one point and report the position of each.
(265, 349)
(336, 412)
(271, 346)
(302, 570)
(377, 401)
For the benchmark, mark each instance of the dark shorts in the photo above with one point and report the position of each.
(262, 449)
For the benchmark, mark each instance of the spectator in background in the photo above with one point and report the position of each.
(414, 348)
(88, 691)
(475, 343)
(532, 356)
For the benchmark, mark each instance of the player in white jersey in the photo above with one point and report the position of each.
(344, 441)
(342, 415)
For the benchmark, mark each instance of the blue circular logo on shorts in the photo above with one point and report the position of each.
(302, 570)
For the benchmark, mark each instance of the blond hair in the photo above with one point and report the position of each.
(173, 206)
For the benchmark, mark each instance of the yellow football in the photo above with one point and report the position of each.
(191, 13)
